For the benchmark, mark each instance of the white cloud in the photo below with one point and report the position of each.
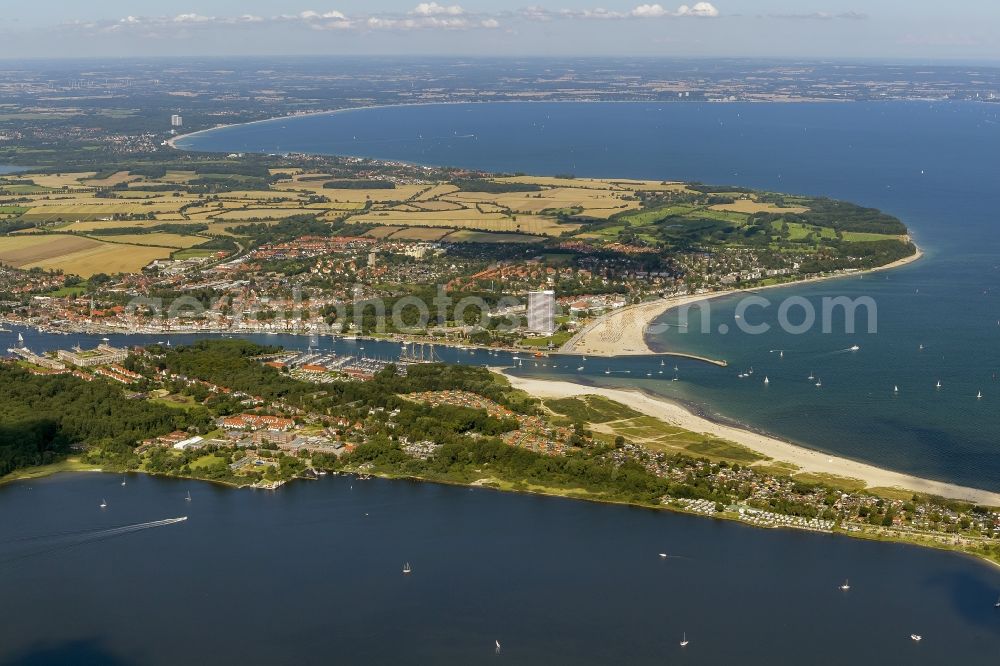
(490, 23)
(649, 11)
(310, 15)
(700, 9)
(434, 9)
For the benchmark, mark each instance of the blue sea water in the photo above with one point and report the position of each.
(311, 573)
(931, 164)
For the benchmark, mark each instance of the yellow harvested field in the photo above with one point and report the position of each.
(437, 191)
(382, 232)
(555, 198)
(261, 196)
(259, 213)
(176, 241)
(548, 181)
(96, 225)
(22, 251)
(75, 254)
(58, 180)
(437, 205)
(750, 206)
(618, 184)
(400, 193)
(78, 211)
(339, 206)
(114, 179)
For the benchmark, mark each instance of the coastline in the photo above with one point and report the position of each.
(629, 324)
(806, 459)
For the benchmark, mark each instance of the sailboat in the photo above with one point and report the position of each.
(811, 376)
(662, 363)
(819, 382)
(916, 637)
(938, 385)
(846, 586)
(997, 604)
(188, 498)
(20, 339)
(684, 640)
(407, 569)
(979, 395)
(123, 481)
(766, 380)
(895, 389)
(104, 504)
(498, 647)
(607, 371)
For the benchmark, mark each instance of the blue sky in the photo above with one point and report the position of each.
(913, 29)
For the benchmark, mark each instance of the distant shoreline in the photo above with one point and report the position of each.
(171, 142)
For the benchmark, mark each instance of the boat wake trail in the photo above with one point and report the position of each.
(65, 540)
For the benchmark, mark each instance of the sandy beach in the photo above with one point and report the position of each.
(623, 332)
(807, 460)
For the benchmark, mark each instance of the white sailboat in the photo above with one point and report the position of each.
(123, 481)
(846, 586)
(188, 498)
(498, 647)
(811, 376)
(104, 504)
(895, 389)
(997, 604)
(938, 385)
(979, 395)
(684, 640)
(766, 380)
(407, 569)
(916, 637)
(819, 382)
